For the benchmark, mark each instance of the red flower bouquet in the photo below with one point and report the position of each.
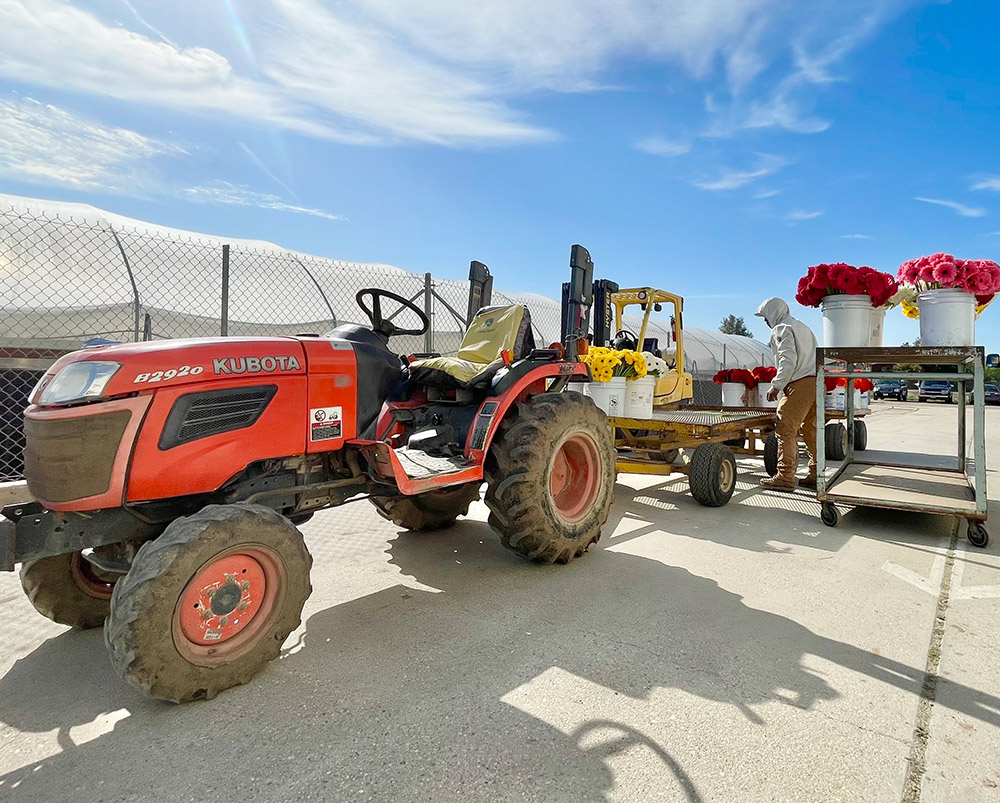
(764, 374)
(841, 279)
(978, 277)
(834, 382)
(741, 375)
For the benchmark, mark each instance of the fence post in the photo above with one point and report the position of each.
(225, 290)
(429, 312)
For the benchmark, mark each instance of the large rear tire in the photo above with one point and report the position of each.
(433, 510)
(771, 455)
(68, 590)
(836, 441)
(551, 477)
(209, 603)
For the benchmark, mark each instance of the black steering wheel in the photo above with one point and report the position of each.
(626, 339)
(385, 326)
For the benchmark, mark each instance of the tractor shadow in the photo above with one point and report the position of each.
(489, 689)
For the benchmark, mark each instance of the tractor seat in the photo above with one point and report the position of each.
(493, 331)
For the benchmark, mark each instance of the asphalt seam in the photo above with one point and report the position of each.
(921, 728)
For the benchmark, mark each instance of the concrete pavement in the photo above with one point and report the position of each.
(746, 653)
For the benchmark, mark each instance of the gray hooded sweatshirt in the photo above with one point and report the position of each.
(792, 342)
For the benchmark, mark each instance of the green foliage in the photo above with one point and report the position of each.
(732, 325)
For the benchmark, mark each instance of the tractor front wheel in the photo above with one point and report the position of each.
(433, 510)
(209, 603)
(68, 590)
(551, 477)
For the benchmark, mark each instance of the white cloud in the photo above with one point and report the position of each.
(988, 183)
(856, 237)
(801, 214)
(364, 71)
(658, 146)
(734, 179)
(48, 145)
(962, 209)
(760, 196)
(994, 234)
(222, 192)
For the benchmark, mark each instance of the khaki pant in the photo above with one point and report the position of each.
(796, 410)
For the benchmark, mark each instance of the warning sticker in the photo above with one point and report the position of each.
(325, 423)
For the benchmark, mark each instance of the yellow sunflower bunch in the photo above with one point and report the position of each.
(633, 365)
(910, 310)
(603, 362)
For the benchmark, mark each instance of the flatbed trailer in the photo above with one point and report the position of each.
(670, 442)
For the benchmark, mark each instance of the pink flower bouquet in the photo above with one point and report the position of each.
(978, 277)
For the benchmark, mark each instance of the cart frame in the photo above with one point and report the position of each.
(921, 488)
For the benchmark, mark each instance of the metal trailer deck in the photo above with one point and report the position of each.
(895, 484)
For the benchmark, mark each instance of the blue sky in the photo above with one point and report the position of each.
(714, 148)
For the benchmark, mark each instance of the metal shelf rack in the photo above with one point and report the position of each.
(898, 485)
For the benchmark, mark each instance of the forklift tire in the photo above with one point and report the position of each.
(68, 590)
(712, 476)
(551, 477)
(175, 629)
(836, 441)
(434, 510)
(771, 455)
(860, 436)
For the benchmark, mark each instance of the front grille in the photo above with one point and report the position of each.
(198, 415)
(72, 458)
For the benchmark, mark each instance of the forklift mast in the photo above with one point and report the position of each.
(604, 313)
(577, 299)
(480, 288)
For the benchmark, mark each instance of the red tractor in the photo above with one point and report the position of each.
(169, 476)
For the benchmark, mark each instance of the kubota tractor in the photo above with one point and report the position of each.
(169, 476)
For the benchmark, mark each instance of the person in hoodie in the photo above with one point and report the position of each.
(794, 348)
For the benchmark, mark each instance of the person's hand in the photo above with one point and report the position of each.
(772, 394)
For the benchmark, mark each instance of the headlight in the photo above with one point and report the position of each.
(77, 382)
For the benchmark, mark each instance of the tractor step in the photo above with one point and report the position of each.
(419, 465)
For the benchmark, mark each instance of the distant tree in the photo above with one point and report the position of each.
(910, 368)
(731, 325)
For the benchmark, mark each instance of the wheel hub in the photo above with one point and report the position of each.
(222, 599)
(574, 477)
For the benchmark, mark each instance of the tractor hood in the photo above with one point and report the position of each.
(109, 371)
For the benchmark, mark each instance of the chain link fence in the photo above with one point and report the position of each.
(70, 275)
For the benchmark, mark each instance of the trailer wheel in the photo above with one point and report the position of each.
(977, 535)
(208, 604)
(860, 436)
(433, 510)
(68, 590)
(836, 441)
(712, 475)
(771, 455)
(551, 477)
(829, 515)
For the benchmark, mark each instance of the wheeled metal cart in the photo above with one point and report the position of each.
(895, 484)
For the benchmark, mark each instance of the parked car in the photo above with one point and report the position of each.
(992, 394)
(890, 389)
(939, 390)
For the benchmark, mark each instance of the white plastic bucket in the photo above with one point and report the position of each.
(878, 325)
(734, 394)
(762, 401)
(639, 397)
(836, 399)
(847, 321)
(610, 395)
(947, 318)
(579, 387)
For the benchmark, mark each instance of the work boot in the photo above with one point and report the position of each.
(779, 483)
(809, 481)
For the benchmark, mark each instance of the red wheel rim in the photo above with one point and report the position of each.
(86, 578)
(574, 476)
(228, 605)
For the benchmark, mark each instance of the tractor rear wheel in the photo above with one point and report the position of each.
(209, 603)
(551, 477)
(68, 590)
(433, 510)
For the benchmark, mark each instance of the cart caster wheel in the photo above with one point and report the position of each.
(978, 536)
(829, 515)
